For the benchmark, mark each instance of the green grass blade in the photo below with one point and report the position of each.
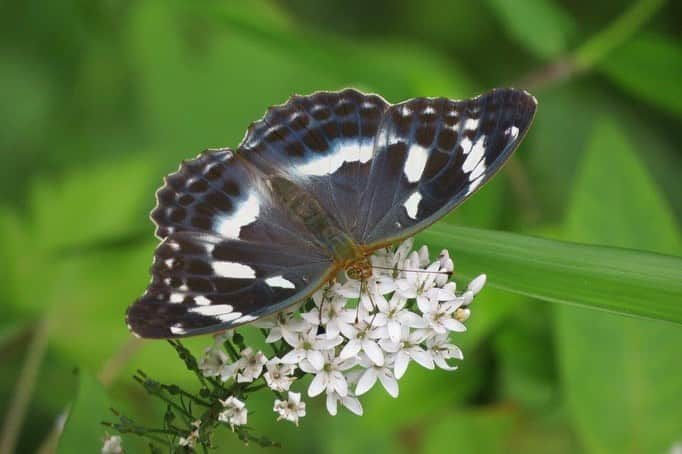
(619, 280)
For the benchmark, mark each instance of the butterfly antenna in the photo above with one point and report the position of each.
(448, 273)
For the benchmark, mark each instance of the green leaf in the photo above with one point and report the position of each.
(83, 431)
(469, 431)
(650, 67)
(619, 280)
(616, 372)
(541, 26)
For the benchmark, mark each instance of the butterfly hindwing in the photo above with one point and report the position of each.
(432, 154)
(203, 283)
(227, 245)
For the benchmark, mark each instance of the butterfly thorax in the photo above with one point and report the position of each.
(307, 210)
(360, 269)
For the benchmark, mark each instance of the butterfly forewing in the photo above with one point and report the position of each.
(431, 154)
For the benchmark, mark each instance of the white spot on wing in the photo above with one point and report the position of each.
(229, 317)
(466, 145)
(247, 211)
(348, 150)
(478, 170)
(474, 184)
(233, 270)
(513, 132)
(279, 281)
(415, 163)
(213, 310)
(475, 156)
(470, 123)
(176, 298)
(366, 150)
(412, 204)
(177, 329)
(246, 318)
(202, 300)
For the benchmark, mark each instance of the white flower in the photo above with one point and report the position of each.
(408, 348)
(112, 445)
(291, 409)
(234, 412)
(280, 323)
(329, 375)
(416, 282)
(362, 336)
(279, 375)
(357, 333)
(309, 346)
(441, 350)
(349, 401)
(191, 440)
(372, 373)
(439, 315)
(393, 315)
(332, 314)
(251, 365)
(213, 361)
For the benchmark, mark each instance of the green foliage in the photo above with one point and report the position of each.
(552, 27)
(101, 99)
(614, 369)
(84, 431)
(612, 279)
(649, 67)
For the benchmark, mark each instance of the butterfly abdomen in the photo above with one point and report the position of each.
(305, 208)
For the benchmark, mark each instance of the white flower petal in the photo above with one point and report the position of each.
(367, 380)
(412, 320)
(401, 361)
(351, 349)
(331, 404)
(423, 358)
(316, 359)
(293, 357)
(338, 382)
(394, 328)
(440, 362)
(453, 325)
(477, 284)
(353, 404)
(389, 383)
(373, 352)
(317, 385)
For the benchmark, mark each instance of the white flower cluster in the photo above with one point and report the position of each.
(354, 334)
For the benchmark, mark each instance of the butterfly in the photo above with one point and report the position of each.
(315, 187)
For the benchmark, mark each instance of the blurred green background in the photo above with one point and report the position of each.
(101, 98)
